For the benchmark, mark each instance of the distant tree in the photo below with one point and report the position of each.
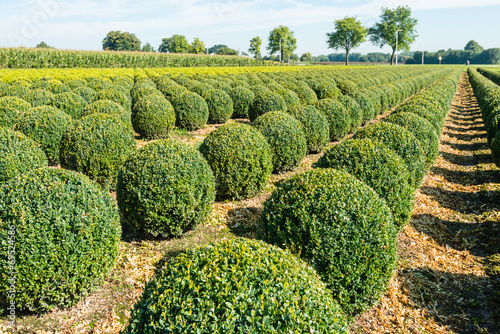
(392, 20)
(473, 47)
(270, 57)
(243, 53)
(293, 57)
(306, 57)
(493, 55)
(349, 34)
(255, 44)
(227, 51)
(214, 49)
(148, 48)
(174, 44)
(43, 45)
(288, 41)
(121, 41)
(197, 46)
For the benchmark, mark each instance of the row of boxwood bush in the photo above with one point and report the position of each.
(488, 97)
(493, 75)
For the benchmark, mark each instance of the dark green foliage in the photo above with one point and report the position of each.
(97, 145)
(107, 107)
(403, 142)
(380, 168)
(11, 108)
(18, 90)
(364, 103)
(167, 188)
(88, 94)
(222, 85)
(242, 99)
(76, 83)
(422, 129)
(432, 115)
(56, 87)
(493, 125)
(67, 234)
(39, 97)
(237, 286)
(191, 111)
(258, 88)
(264, 102)
(341, 227)
(339, 121)
(353, 110)
(18, 154)
(328, 90)
(172, 91)
(347, 87)
(286, 136)
(99, 83)
(153, 117)
(220, 106)
(45, 125)
(240, 158)
(141, 91)
(115, 96)
(71, 103)
(305, 93)
(495, 148)
(200, 88)
(315, 125)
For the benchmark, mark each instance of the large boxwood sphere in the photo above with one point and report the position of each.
(238, 286)
(380, 168)
(70, 103)
(339, 121)
(191, 111)
(341, 227)
(315, 125)
(114, 95)
(286, 136)
(167, 188)
(153, 117)
(46, 126)
(18, 154)
(240, 158)
(242, 99)
(88, 94)
(266, 101)
(11, 108)
(107, 107)
(67, 233)
(39, 97)
(220, 106)
(97, 145)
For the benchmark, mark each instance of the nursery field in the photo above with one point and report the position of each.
(255, 199)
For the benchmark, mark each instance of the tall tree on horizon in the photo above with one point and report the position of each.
(255, 44)
(121, 41)
(349, 34)
(174, 44)
(288, 41)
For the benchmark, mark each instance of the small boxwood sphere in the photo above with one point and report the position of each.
(242, 99)
(240, 158)
(67, 234)
(88, 94)
(328, 90)
(306, 95)
(347, 87)
(46, 126)
(220, 106)
(315, 125)
(264, 102)
(430, 114)
(153, 117)
(167, 188)
(97, 145)
(237, 286)
(70, 103)
(18, 154)
(495, 149)
(380, 168)
(341, 227)
(286, 136)
(403, 142)
(107, 107)
(11, 108)
(353, 110)
(339, 121)
(365, 105)
(191, 111)
(39, 97)
(115, 96)
(172, 91)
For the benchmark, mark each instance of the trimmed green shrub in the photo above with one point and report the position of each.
(220, 106)
(242, 100)
(347, 87)
(200, 88)
(339, 121)
(495, 149)
(88, 94)
(258, 88)
(18, 154)
(99, 83)
(305, 93)
(380, 168)
(226, 87)
(19, 91)
(4, 89)
(56, 87)
(264, 102)
(107, 107)
(403, 142)
(432, 115)
(493, 126)
(97, 145)
(191, 111)
(76, 83)
(286, 136)
(153, 117)
(67, 234)
(70, 103)
(45, 125)
(141, 91)
(39, 97)
(363, 102)
(290, 97)
(354, 111)
(341, 227)
(237, 286)
(115, 96)
(167, 188)
(240, 158)
(328, 90)
(11, 108)
(315, 125)
(172, 91)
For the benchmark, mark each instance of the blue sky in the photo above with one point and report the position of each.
(82, 24)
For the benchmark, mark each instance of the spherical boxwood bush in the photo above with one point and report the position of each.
(39, 97)
(353, 110)
(286, 136)
(403, 142)
(107, 107)
(341, 227)
(71, 103)
(237, 286)
(88, 94)
(97, 145)
(172, 91)
(115, 96)
(347, 87)
(432, 115)
(167, 188)
(364, 104)
(220, 106)
(380, 168)
(18, 154)
(191, 111)
(153, 117)
(46, 126)
(328, 90)
(339, 121)
(242, 99)
(315, 125)
(11, 108)
(495, 149)
(67, 233)
(264, 102)
(240, 158)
